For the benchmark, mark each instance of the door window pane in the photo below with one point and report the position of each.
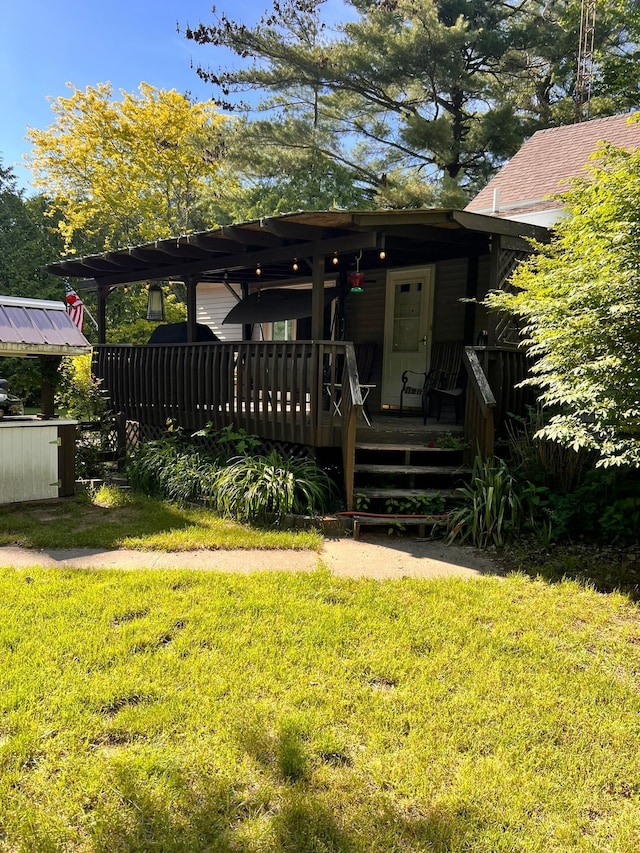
(406, 317)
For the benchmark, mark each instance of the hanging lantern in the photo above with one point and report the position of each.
(356, 279)
(155, 303)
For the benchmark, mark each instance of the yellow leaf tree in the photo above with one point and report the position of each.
(126, 171)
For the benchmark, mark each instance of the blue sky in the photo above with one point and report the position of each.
(46, 43)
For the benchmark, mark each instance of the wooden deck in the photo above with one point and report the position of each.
(296, 393)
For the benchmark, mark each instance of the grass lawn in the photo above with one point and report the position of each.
(146, 711)
(117, 519)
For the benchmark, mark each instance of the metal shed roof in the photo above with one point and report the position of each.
(38, 327)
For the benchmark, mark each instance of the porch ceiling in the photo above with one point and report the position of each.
(274, 243)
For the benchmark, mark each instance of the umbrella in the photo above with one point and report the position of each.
(268, 306)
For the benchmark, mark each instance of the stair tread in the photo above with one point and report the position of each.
(412, 448)
(385, 517)
(405, 493)
(409, 469)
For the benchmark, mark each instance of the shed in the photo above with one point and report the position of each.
(37, 452)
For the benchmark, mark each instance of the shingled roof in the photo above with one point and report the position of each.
(545, 163)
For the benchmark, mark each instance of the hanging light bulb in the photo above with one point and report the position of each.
(335, 260)
(382, 255)
(258, 270)
(295, 265)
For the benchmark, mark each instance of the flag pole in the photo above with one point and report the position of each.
(86, 311)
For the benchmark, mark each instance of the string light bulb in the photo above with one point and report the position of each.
(382, 255)
(258, 270)
(335, 260)
(295, 265)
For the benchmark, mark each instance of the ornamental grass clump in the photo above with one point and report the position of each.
(495, 506)
(175, 472)
(266, 488)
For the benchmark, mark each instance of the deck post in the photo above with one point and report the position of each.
(317, 296)
(191, 283)
(102, 313)
(317, 324)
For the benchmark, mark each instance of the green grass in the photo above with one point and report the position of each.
(117, 520)
(182, 712)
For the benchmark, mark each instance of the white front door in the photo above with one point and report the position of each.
(407, 328)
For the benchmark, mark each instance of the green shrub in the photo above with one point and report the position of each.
(260, 488)
(606, 507)
(78, 391)
(544, 462)
(168, 469)
(228, 441)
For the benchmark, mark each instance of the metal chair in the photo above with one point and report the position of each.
(444, 381)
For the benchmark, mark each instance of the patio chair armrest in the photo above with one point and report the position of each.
(405, 377)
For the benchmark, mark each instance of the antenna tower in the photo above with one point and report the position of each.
(584, 76)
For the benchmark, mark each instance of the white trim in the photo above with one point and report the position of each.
(44, 304)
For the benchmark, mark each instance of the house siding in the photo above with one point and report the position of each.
(213, 303)
(448, 311)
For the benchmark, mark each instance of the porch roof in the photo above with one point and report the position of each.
(274, 243)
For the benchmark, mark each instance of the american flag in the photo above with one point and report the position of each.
(75, 306)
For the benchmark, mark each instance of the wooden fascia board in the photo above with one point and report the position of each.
(430, 234)
(517, 244)
(496, 225)
(186, 267)
(386, 220)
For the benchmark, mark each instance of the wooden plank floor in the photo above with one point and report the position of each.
(389, 428)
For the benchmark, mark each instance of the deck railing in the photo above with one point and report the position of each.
(302, 392)
(494, 374)
(479, 428)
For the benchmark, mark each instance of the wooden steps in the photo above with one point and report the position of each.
(405, 485)
(385, 494)
(407, 469)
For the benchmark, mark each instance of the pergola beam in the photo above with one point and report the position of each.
(181, 267)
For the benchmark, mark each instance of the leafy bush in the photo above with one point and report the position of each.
(228, 441)
(574, 499)
(168, 469)
(78, 391)
(606, 507)
(496, 506)
(259, 488)
(24, 377)
(247, 488)
(542, 461)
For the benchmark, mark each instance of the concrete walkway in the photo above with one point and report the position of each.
(379, 557)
